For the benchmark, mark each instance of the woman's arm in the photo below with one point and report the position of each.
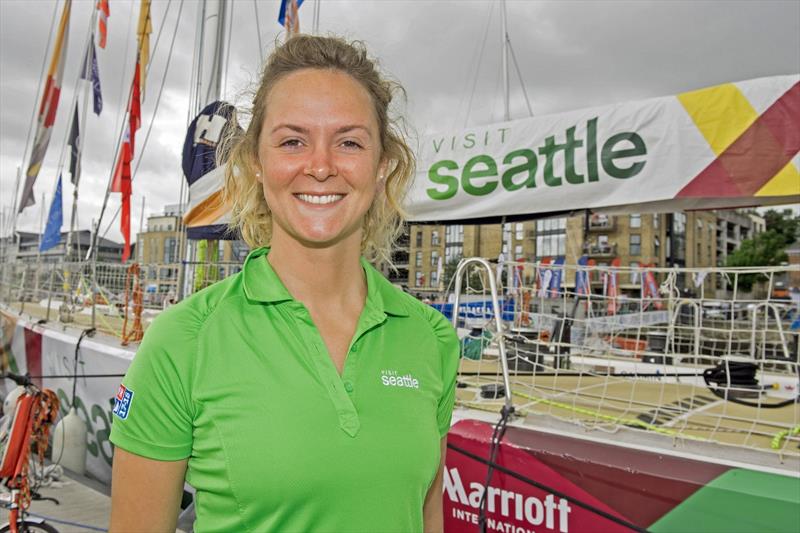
(145, 493)
(432, 514)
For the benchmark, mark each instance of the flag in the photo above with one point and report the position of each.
(74, 143)
(90, 72)
(611, 288)
(558, 274)
(122, 173)
(52, 232)
(144, 28)
(288, 16)
(102, 22)
(582, 277)
(47, 108)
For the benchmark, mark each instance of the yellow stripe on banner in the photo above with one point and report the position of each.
(62, 30)
(721, 113)
(207, 212)
(784, 183)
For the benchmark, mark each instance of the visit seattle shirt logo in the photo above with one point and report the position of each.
(392, 378)
(122, 402)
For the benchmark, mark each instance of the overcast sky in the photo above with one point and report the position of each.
(571, 54)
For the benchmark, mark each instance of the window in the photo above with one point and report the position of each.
(636, 220)
(520, 231)
(434, 258)
(551, 245)
(518, 251)
(699, 225)
(636, 245)
(454, 235)
(656, 248)
(170, 249)
(655, 221)
(418, 261)
(434, 278)
(451, 253)
(435, 238)
(419, 279)
(419, 237)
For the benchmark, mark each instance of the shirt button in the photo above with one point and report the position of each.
(348, 386)
(354, 348)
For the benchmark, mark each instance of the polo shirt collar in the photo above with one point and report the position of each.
(262, 284)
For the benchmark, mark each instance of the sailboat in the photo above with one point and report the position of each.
(621, 417)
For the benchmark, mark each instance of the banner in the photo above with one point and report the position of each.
(27, 347)
(726, 146)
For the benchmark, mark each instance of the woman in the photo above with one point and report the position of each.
(306, 393)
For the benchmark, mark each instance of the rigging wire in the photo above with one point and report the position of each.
(478, 64)
(155, 110)
(258, 34)
(469, 75)
(39, 90)
(521, 81)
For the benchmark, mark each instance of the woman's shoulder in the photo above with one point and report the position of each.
(419, 311)
(187, 317)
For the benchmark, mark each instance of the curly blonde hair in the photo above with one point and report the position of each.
(242, 191)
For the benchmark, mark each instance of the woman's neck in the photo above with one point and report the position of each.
(320, 276)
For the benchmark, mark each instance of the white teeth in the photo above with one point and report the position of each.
(316, 199)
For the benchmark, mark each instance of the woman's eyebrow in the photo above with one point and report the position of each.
(305, 131)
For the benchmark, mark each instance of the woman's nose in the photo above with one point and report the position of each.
(321, 165)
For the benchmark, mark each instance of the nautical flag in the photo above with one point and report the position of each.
(582, 276)
(610, 287)
(650, 288)
(74, 143)
(92, 73)
(288, 16)
(102, 22)
(543, 277)
(558, 274)
(47, 108)
(143, 31)
(52, 232)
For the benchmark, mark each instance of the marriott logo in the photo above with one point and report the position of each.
(508, 503)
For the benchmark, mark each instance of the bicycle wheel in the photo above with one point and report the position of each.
(27, 526)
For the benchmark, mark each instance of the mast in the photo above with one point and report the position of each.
(211, 68)
(504, 52)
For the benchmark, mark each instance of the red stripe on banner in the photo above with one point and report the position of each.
(33, 355)
(756, 156)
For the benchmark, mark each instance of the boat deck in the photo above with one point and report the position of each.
(677, 412)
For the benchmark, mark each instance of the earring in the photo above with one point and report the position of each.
(258, 174)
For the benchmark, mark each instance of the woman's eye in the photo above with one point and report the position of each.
(351, 144)
(291, 143)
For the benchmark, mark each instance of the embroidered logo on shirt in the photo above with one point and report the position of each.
(122, 402)
(392, 378)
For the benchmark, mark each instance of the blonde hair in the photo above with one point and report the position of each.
(250, 213)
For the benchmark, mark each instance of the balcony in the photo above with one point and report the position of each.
(601, 223)
(600, 250)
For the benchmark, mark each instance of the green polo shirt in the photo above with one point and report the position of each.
(238, 379)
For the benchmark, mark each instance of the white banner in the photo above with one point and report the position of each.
(665, 153)
(46, 352)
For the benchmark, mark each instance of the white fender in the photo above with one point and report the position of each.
(69, 443)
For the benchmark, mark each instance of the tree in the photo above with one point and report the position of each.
(783, 223)
(765, 249)
(475, 280)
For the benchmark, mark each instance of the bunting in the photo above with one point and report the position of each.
(90, 72)
(55, 218)
(47, 109)
(102, 22)
(143, 31)
(74, 144)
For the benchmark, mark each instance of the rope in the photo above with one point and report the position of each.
(84, 333)
(778, 438)
(516, 475)
(497, 436)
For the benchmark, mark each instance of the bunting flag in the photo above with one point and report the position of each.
(650, 288)
(90, 72)
(52, 232)
(543, 277)
(289, 17)
(582, 277)
(558, 274)
(122, 173)
(47, 109)
(143, 31)
(102, 22)
(74, 143)
(611, 288)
